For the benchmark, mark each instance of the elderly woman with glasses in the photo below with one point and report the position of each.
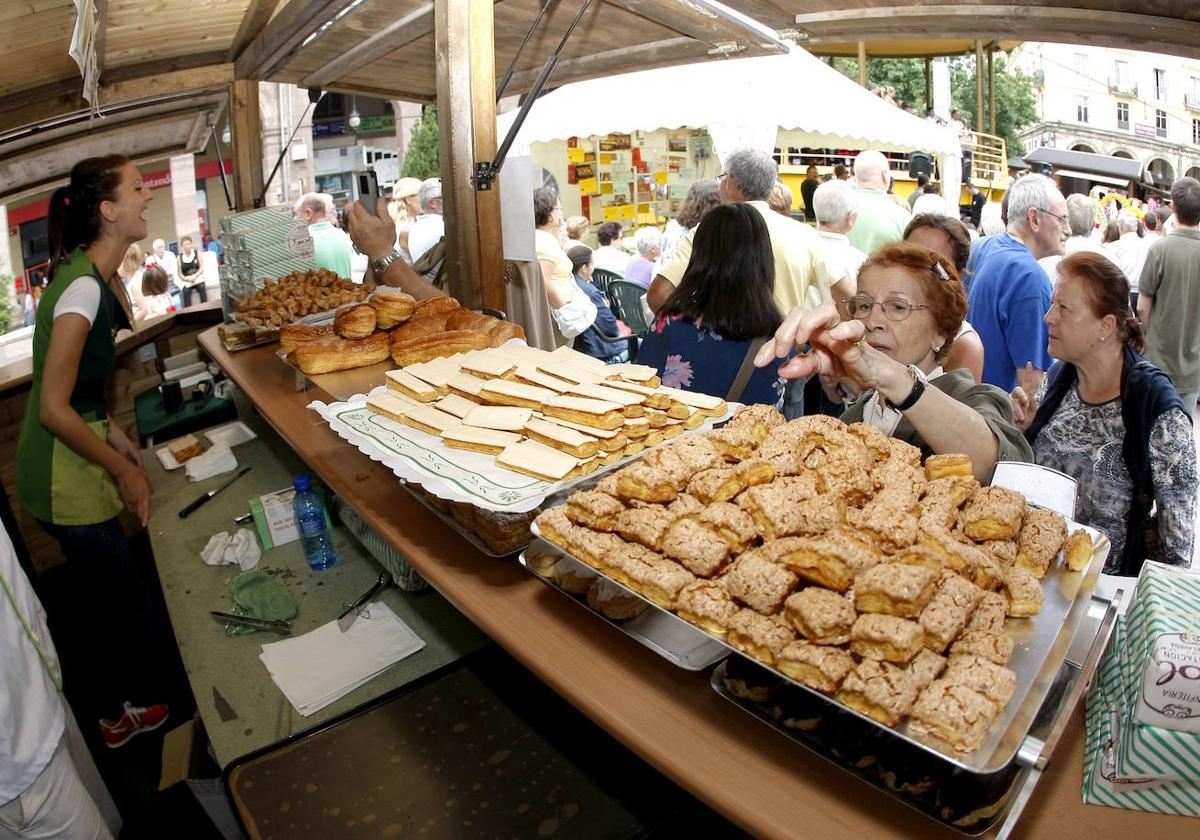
(887, 344)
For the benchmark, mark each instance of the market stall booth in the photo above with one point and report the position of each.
(687, 119)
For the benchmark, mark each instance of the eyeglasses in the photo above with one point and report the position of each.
(1062, 219)
(894, 309)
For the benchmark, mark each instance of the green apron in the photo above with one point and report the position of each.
(54, 483)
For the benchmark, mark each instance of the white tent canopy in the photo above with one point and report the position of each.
(742, 102)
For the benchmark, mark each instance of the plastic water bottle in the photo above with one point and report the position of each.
(310, 522)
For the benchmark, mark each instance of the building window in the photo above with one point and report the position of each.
(1160, 84)
(1081, 67)
(1196, 132)
(1081, 108)
(1160, 123)
(1123, 115)
(1122, 75)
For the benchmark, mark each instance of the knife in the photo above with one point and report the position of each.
(346, 620)
(284, 628)
(183, 514)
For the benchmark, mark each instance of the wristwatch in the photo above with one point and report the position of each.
(384, 263)
(919, 380)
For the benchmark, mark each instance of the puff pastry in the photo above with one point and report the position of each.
(354, 321)
(886, 638)
(895, 589)
(1077, 552)
(994, 513)
(708, 605)
(820, 615)
(957, 714)
(879, 690)
(1042, 535)
(392, 307)
(817, 666)
(758, 582)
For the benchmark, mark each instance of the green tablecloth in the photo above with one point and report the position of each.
(241, 707)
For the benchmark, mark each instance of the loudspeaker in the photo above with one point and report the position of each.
(920, 163)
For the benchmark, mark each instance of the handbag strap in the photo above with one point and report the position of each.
(745, 371)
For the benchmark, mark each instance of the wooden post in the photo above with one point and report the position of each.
(928, 85)
(245, 124)
(991, 90)
(862, 63)
(978, 85)
(466, 91)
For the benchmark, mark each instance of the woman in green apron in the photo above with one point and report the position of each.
(76, 471)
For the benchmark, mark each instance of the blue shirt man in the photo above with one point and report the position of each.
(1010, 293)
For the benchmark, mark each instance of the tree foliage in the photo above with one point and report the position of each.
(421, 157)
(8, 305)
(1016, 100)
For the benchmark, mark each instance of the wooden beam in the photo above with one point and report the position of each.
(691, 20)
(49, 184)
(286, 31)
(991, 81)
(61, 99)
(862, 63)
(246, 126)
(348, 87)
(102, 127)
(979, 123)
(398, 33)
(466, 85)
(1158, 33)
(620, 60)
(258, 15)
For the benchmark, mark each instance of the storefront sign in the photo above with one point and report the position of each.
(383, 122)
(329, 129)
(1143, 130)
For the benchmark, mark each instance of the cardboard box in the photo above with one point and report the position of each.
(185, 758)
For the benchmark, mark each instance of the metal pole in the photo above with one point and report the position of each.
(928, 84)
(221, 167)
(862, 63)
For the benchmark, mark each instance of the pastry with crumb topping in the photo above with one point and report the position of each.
(956, 713)
(940, 466)
(646, 484)
(926, 667)
(879, 690)
(820, 615)
(994, 513)
(762, 637)
(1023, 591)
(1041, 537)
(593, 509)
(708, 605)
(995, 646)
(820, 667)
(696, 548)
(831, 560)
(758, 582)
(730, 523)
(895, 589)
(995, 682)
(1077, 552)
(886, 638)
(647, 525)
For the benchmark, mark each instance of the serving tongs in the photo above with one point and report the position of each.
(277, 625)
(361, 606)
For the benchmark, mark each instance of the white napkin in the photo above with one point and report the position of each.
(218, 459)
(325, 664)
(240, 550)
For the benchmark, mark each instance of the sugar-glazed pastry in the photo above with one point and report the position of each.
(956, 713)
(730, 523)
(926, 667)
(994, 513)
(994, 646)
(820, 615)
(820, 667)
(758, 582)
(647, 525)
(1038, 543)
(763, 637)
(646, 484)
(831, 560)
(995, 682)
(1023, 591)
(895, 589)
(879, 690)
(886, 638)
(696, 548)
(708, 605)
(593, 509)
(990, 615)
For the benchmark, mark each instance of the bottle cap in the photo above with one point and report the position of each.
(302, 483)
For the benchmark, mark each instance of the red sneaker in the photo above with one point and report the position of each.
(136, 720)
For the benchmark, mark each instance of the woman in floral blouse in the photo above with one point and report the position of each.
(707, 329)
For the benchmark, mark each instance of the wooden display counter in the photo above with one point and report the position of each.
(670, 717)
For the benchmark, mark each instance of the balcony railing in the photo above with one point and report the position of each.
(1122, 125)
(1121, 87)
(1191, 101)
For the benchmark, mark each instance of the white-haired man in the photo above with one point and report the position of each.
(1081, 219)
(638, 270)
(165, 258)
(836, 207)
(1010, 292)
(430, 226)
(880, 219)
(1129, 252)
(749, 177)
(331, 245)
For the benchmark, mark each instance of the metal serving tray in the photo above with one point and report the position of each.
(1040, 645)
(1000, 796)
(665, 633)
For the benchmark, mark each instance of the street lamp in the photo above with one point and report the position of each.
(355, 120)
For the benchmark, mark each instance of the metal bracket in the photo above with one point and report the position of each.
(726, 48)
(485, 175)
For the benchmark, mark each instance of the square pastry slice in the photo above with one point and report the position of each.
(593, 509)
(821, 615)
(885, 638)
(762, 637)
(831, 560)
(895, 589)
(695, 547)
(994, 646)
(994, 513)
(1023, 590)
(817, 666)
(1041, 537)
(661, 581)
(995, 682)
(926, 667)
(957, 714)
(989, 616)
(706, 604)
(879, 690)
(647, 525)
(759, 583)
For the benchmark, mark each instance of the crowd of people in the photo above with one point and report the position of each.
(1011, 333)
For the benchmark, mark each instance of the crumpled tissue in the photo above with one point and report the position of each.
(218, 459)
(239, 550)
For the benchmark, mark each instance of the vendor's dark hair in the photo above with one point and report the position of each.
(1106, 289)
(960, 240)
(74, 217)
(579, 256)
(702, 196)
(544, 202)
(730, 281)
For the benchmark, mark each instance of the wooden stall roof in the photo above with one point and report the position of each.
(156, 52)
